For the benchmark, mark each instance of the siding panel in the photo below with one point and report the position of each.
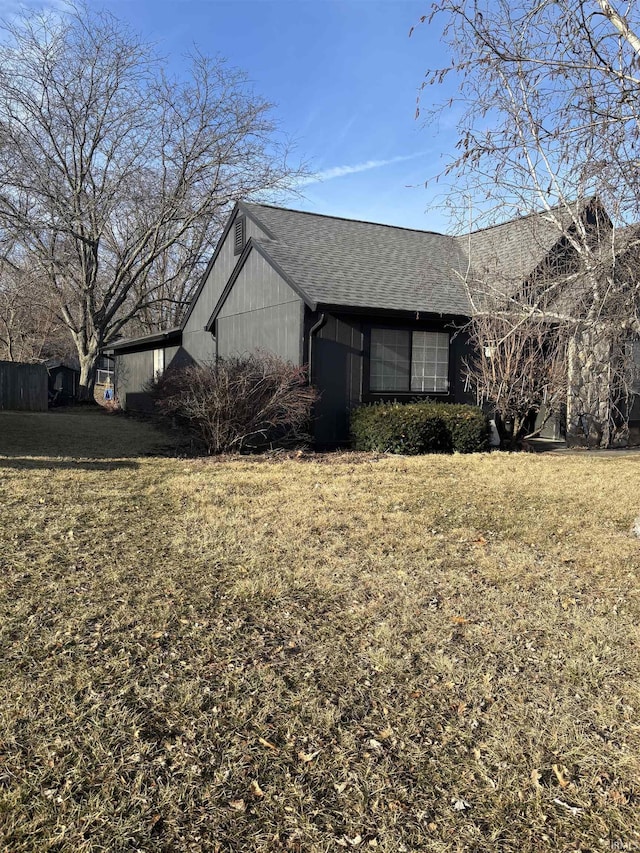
(337, 373)
(196, 341)
(260, 312)
(133, 370)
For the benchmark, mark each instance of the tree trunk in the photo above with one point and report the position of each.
(88, 355)
(590, 392)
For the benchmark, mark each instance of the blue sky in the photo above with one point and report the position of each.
(343, 75)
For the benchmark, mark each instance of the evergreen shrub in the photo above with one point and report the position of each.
(422, 427)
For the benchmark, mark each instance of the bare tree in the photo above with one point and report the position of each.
(30, 330)
(520, 368)
(549, 115)
(115, 178)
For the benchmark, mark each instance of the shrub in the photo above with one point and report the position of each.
(414, 428)
(397, 428)
(237, 403)
(467, 425)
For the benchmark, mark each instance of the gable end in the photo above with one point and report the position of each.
(239, 234)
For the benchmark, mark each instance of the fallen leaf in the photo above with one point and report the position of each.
(306, 757)
(375, 744)
(267, 743)
(461, 805)
(385, 734)
(355, 841)
(238, 805)
(480, 540)
(536, 776)
(561, 773)
(459, 620)
(255, 789)
(340, 787)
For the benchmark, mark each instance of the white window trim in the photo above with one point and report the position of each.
(158, 363)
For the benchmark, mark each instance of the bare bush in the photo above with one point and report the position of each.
(519, 368)
(238, 403)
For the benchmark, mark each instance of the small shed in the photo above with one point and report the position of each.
(64, 380)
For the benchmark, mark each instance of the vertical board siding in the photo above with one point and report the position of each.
(196, 341)
(261, 312)
(337, 373)
(24, 387)
(133, 371)
(459, 352)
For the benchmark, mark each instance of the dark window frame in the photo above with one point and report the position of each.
(369, 395)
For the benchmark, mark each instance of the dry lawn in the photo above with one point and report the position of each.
(396, 654)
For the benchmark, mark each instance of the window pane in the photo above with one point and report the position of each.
(389, 368)
(430, 362)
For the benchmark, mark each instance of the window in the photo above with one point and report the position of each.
(158, 363)
(402, 360)
(238, 235)
(105, 371)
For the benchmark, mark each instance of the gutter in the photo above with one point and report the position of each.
(312, 332)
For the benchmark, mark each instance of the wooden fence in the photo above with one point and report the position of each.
(23, 386)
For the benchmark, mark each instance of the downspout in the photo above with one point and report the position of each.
(312, 331)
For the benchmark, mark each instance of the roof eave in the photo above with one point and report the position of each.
(370, 310)
(156, 337)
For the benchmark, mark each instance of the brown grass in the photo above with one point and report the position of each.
(409, 654)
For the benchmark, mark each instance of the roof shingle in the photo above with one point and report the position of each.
(343, 262)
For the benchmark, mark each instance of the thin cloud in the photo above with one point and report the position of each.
(341, 171)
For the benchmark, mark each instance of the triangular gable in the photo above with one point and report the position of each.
(250, 246)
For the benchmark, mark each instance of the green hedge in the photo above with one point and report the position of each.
(468, 426)
(414, 428)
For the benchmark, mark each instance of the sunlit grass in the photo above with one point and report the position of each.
(317, 654)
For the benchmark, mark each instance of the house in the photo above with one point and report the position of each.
(375, 312)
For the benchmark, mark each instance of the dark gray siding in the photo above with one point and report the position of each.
(340, 369)
(260, 312)
(196, 341)
(134, 371)
(336, 367)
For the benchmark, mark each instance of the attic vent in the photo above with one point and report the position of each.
(238, 235)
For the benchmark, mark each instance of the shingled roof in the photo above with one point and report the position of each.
(511, 251)
(350, 263)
